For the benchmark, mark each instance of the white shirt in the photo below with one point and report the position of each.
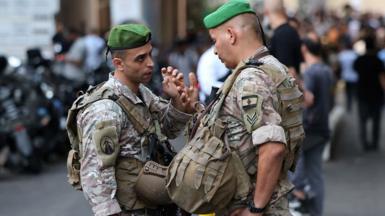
(77, 52)
(210, 69)
(346, 59)
(94, 47)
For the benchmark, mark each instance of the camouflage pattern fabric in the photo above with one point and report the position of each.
(252, 119)
(98, 182)
(280, 208)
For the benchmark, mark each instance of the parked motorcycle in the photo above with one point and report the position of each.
(14, 118)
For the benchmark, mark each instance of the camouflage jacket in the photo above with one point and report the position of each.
(98, 182)
(249, 128)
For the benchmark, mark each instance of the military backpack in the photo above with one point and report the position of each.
(159, 148)
(206, 175)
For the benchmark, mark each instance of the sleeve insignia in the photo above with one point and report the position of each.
(252, 111)
(107, 145)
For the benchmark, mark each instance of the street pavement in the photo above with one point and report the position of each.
(355, 182)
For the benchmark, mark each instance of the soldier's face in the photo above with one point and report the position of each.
(137, 64)
(222, 46)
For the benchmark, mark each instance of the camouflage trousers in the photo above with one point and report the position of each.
(279, 208)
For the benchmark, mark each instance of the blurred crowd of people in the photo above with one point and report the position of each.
(318, 49)
(348, 47)
(353, 45)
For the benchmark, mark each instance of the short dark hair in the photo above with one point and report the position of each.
(314, 46)
(255, 25)
(118, 54)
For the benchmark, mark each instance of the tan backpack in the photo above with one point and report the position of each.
(92, 95)
(206, 175)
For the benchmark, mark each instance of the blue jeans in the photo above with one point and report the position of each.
(309, 171)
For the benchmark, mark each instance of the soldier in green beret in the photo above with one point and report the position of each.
(270, 132)
(113, 127)
(262, 110)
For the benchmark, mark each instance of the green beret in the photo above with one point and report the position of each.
(227, 11)
(128, 36)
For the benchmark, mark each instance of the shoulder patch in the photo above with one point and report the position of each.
(252, 111)
(105, 138)
(107, 145)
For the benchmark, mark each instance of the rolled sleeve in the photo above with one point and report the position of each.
(268, 133)
(173, 121)
(177, 115)
(107, 208)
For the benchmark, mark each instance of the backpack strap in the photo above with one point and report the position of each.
(97, 93)
(253, 62)
(273, 72)
(211, 113)
(139, 123)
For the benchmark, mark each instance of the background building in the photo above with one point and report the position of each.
(30, 23)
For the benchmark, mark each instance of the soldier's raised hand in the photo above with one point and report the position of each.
(175, 76)
(170, 89)
(188, 95)
(192, 92)
(173, 87)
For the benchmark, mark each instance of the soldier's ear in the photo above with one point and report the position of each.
(118, 63)
(231, 35)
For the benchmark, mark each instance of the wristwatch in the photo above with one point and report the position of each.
(254, 209)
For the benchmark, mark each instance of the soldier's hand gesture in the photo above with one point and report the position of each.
(187, 95)
(175, 76)
(192, 93)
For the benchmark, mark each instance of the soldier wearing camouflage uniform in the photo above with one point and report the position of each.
(265, 137)
(112, 151)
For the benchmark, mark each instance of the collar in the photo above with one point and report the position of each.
(259, 51)
(122, 89)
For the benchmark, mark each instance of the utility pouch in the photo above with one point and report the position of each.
(73, 168)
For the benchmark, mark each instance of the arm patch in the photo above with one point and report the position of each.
(252, 111)
(105, 138)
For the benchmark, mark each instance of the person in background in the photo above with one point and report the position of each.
(60, 43)
(285, 44)
(94, 45)
(74, 60)
(370, 93)
(346, 58)
(211, 74)
(318, 85)
(184, 58)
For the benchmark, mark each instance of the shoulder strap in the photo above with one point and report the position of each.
(140, 124)
(82, 101)
(215, 105)
(99, 93)
(273, 72)
(253, 62)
